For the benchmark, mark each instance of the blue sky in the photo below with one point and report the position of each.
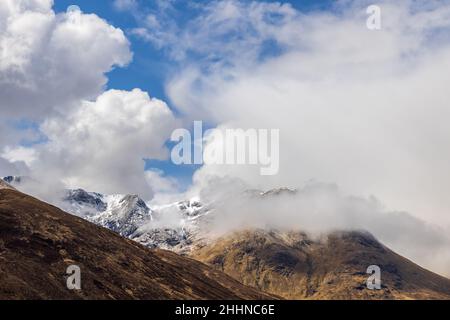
(151, 66)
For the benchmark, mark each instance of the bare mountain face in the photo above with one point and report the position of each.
(295, 266)
(39, 241)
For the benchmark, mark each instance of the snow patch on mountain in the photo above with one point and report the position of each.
(120, 213)
(174, 226)
(179, 227)
(84, 204)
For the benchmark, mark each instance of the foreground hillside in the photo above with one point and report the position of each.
(38, 242)
(294, 266)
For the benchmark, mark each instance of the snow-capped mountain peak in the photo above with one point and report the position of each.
(83, 203)
(120, 213)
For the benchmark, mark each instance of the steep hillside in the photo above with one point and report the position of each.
(38, 242)
(5, 185)
(294, 266)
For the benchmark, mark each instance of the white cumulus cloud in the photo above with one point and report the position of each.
(52, 61)
(101, 145)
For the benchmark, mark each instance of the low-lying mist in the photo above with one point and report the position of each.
(319, 208)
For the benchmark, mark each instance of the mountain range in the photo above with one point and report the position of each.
(38, 242)
(280, 263)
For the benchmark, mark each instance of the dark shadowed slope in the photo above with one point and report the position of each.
(294, 266)
(38, 242)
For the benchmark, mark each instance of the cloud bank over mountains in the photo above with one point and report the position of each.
(318, 209)
(364, 109)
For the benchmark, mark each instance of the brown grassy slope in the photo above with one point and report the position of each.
(39, 241)
(293, 266)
